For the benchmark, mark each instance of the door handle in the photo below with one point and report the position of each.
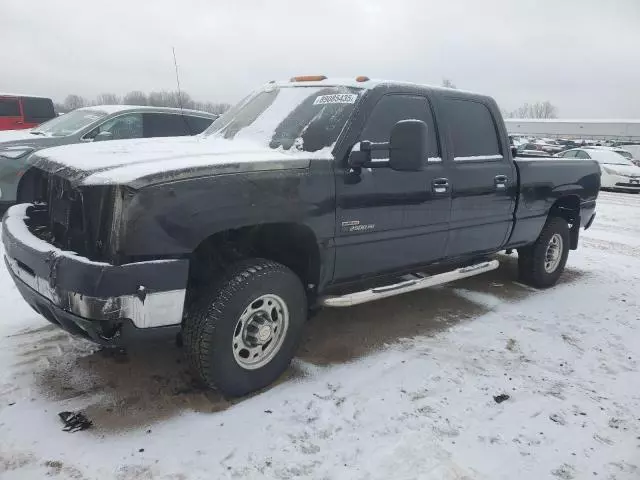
(500, 182)
(440, 185)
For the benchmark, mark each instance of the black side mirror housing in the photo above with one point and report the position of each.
(358, 157)
(514, 150)
(408, 146)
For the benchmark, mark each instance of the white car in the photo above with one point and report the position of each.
(621, 151)
(618, 173)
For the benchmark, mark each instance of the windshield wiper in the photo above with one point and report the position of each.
(36, 133)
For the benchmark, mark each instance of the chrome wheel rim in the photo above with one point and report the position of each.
(260, 331)
(553, 254)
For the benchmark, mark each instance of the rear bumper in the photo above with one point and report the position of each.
(73, 290)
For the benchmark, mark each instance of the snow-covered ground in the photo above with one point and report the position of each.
(399, 389)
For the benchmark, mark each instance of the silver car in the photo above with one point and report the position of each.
(90, 124)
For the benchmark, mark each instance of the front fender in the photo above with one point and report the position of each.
(173, 219)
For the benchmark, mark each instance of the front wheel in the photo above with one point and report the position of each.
(243, 333)
(542, 263)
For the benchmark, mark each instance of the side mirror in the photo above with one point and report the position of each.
(408, 146)
(514, 151)
(359, 157)
(102, 136)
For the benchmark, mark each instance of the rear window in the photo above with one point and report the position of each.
(165, 125)
(473, 131)
(198, 124)
(37, 110)
(9, 107)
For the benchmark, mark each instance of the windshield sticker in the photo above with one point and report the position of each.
(335, 98)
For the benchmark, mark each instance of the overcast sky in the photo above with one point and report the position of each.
(582, 55)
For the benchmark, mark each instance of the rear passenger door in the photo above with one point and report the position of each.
(483, 181)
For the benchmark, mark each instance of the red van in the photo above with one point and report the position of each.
(23, 111)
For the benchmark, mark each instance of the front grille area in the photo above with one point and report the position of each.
(73, 219)
(65, 214)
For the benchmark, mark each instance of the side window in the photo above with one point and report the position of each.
(9, 107)
(473, 131)
(122, 127)
(165, 125)
(570, 154)
(198, 124)
(582, 154)
(389, 110)
(37, 110)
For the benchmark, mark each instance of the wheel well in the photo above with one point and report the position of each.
(566, 207)
(291, 244)
(569, 208)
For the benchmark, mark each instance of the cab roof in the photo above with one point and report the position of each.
(370, 84)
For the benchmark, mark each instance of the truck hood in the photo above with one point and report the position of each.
(155, 160)
(626, 170)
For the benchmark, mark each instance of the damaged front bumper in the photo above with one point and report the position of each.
(99, 301)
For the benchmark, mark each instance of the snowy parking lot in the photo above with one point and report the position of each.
(399, 389)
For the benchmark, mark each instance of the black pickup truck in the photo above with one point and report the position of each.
(308, 193)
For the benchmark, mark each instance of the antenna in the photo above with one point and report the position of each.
(175, 64)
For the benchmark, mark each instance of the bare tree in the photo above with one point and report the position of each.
(211, 107)
(74, 101)
(107, 99)
(171, 99)
(135, 97)
(157, 99)
(536, 110)
(447, 83)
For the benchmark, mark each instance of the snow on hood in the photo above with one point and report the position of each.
(628, 170)
(12, 135)
(121, 162)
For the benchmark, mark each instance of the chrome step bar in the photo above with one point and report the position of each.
(412, 282)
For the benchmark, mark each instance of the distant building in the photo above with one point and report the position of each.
(622, 130)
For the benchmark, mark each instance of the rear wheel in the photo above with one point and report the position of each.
(243, 333)
(542, 263)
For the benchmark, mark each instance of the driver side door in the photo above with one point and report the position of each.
(388, 220)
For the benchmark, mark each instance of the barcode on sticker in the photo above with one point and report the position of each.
(335, 98)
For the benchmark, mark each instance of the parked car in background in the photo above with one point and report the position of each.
(90, 124)
(549, 145)
(18, 112)
(620, 151)
(634, 150)
(618, 173)
(567, 144)
(531, 150)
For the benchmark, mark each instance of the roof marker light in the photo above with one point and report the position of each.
(308, 78)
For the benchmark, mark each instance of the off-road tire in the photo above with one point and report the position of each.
(208, 330)
(531, 259)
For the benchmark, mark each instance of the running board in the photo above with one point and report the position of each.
(416, 282)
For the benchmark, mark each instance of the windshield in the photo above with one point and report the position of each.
(69, 123)
(289, 118)
(625, 154)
